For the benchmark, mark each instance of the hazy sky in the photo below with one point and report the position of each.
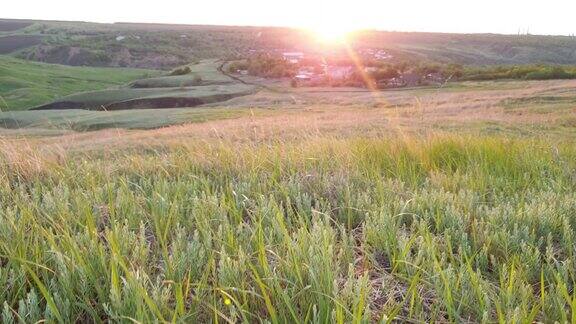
(497, 16)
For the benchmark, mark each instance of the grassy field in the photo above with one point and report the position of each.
(510, 107)
(421, 205)
(129, 98)
(25, 84)
(65, 121)
(204, 84)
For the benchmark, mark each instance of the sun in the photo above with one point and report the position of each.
(331, 33)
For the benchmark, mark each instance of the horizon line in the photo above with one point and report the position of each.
(371, 29)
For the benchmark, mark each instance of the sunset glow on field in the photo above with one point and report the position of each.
(303, 161)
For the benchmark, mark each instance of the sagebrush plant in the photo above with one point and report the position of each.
(432, 229)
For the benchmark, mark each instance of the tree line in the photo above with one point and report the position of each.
(379, 72)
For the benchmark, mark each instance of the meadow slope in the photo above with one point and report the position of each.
(421, 205)
(25, 84)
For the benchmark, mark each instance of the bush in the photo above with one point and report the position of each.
(266, 66)
(195, 81)
(236, 66)
(549, 74)
(385, 74)
(181, 71)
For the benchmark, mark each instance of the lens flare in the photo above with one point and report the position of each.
(331, 34)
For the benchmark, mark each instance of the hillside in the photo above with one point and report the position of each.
(203, 84)
(166, 46)
(452, 205)
(25, 84)
(541, 107)
(478, 49)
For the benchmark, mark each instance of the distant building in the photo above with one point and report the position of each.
(309, 70)
(302, 77)
(405, 80)
(120, 38)
(377, 54)
(339, 72)
(309, 79)
(411, 79)
(293, 57)
(435, 78)
(382, 55)
(392, 83)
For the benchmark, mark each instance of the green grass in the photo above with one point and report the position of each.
(541, 104)
(85, 120)
(206, 70)
(433, 229)
(160, 92)
(148, 97)
(25, 84)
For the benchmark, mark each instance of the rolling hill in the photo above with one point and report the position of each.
(204, 84)
(166, 46)
(452, 205)
(25, 84)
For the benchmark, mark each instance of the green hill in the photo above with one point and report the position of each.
(204, 84)
(25, 84)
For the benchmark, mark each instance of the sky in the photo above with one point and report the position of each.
(550, 17)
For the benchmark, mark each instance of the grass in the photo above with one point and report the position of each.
(534, 108)
(541, 104)
(203, 72)
(400, 206)
(84, 120)
(204, 85)
(25, 84)
(129, 98)
(422, 229)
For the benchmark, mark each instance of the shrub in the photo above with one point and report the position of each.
(237, 66)
(549, 74)
(525, 72)
(183, 70)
